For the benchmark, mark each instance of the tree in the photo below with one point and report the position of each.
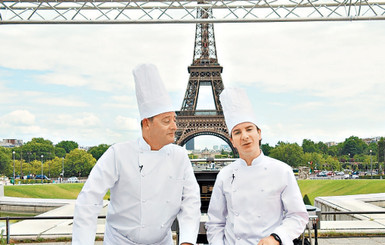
(98, 151)
(60, 152)
(333, 150)
(308, 146)
(266, 148)
(322, 147)
(353, 145)
(35, 149)
(292, 154)
(78, 163)
(381, 150)
(5, 161)
(67, 145)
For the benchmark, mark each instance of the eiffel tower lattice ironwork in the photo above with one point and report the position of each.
(204, 71)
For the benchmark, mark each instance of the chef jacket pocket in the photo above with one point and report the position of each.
(174, 193)
(271, 208)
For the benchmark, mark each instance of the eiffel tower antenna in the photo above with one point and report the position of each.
(204, 71)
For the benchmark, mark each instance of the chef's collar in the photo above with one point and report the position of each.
(144, 146)
(256, 160)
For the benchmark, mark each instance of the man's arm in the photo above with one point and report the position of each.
(190, 214)
(217, 213)
(296, 216)
(90, 200)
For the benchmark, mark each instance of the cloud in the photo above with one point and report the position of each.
(71, 80)
(122, 101)
(314, 58)
(54, 101)
(19, 123)
(100, 64)
(19, 118)
(80, 120)
(127, 123)
(322, 81)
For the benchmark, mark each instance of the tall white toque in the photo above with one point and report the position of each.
(237, 107)
(151, 93)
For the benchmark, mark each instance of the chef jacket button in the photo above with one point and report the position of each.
(236, 214)
(143, 201)
(143, 226)
(238, 238)
(265, 168)
(262, 190)
(162, 225)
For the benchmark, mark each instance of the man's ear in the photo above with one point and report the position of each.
(145, 122)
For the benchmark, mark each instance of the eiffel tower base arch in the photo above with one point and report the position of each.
(192, 126)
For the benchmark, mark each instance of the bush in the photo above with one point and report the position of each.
(374, 176)
(32, 181)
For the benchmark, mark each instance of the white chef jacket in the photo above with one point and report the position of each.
(249, 203)
(149, 189)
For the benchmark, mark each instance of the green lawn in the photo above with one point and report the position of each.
(54, 191)
(311, 188)
(315, 188)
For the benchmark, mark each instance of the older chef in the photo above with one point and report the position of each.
(151, 181)
(256, 199)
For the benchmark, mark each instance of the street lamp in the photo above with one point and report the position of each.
(42, 168)
(21, 164)
(371, 165)
(13, 166)
(349, 162)
(29, 162)
(62, 167)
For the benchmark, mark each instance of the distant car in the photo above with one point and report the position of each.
(73, 180)
(42, 177)
(322, 174)
(354, 176)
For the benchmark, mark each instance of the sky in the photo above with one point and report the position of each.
(322, 81)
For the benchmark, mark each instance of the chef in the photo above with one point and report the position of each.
(256, 199)
(151, 181)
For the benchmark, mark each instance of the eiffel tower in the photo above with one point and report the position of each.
(204, 71)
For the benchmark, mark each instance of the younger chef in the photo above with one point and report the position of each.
(256, 199)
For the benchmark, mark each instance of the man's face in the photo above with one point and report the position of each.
(245, 137)
(162, 129)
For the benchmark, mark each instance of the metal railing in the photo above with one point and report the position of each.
(8, 234)
(7, 219)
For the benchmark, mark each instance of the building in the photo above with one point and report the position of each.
(190, 145)
(11, 143)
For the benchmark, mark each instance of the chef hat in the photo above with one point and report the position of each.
(237, 107)
(151, 93)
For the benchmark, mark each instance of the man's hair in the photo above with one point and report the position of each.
(260, 141)
(150, 119)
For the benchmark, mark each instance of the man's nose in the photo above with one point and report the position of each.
(244, 135)
(173, 125)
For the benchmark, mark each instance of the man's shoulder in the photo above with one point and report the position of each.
(177, 149)
(133, 144)
(278, 163)
(228, 170)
